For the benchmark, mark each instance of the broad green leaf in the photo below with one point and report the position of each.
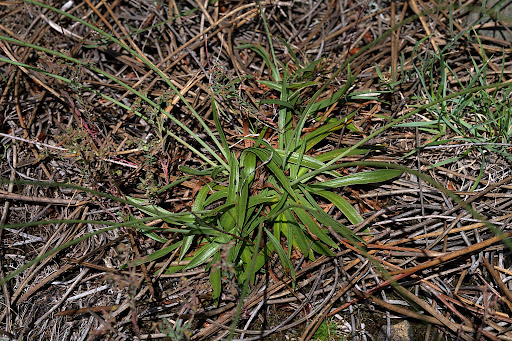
(297, 234)
(215, 281)
(218, 195)
(359, 178)
(255, 219)
(227, 220)
(343, 205)
(234, 178)
(333, 153)
(271, 84)
(248, 161)
(198, 205)
(247, 256)
(202, 255)
(249, 164)
(280, 225)
(260, 198)
(285, 261)
(187, 242)
(200, 198)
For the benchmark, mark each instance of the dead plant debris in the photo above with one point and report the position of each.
(71, 99)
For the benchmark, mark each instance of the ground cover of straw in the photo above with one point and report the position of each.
(449, 267)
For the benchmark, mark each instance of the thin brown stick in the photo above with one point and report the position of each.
(465, 251)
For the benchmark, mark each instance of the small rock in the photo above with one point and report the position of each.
(401, 331)
(501, 14)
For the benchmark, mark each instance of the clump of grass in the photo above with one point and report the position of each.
(328, 331)
(478, 121)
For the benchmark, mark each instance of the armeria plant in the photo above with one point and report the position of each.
(284, 210)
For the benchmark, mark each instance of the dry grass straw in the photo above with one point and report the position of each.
(450, 274)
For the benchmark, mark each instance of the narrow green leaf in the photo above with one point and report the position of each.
(266, 58)
(305, 160)
(319, 134)
(191, 171)
(152, 235)
(313, 227)
(310, 68)
(281, 103)
(284, 118)
(220, 130)
(271, 160)
(418, 124)
(301, 85)
(153, 256)
(321, 248)
(290, 50)
(314, 107)
(241, 206)
(154, 210)
(445, 162)
(294, 168)
(172, 184)
(325, 219)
